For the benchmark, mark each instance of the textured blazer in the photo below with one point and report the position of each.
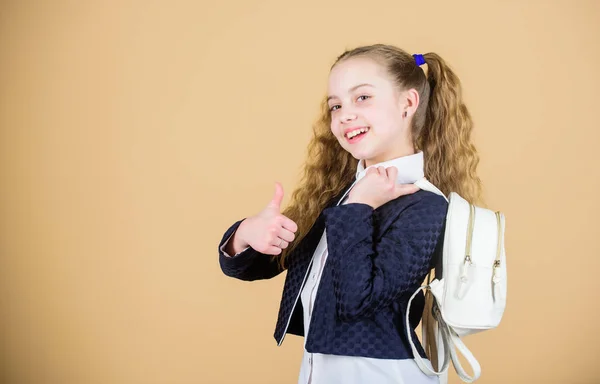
(376, 259)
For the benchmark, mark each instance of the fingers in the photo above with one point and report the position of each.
(406, 189)
(289, 224)
(272, 251)
(389, 172)
(392, 173)
(283, 236)
(372, 170)
(286, 235)
(275, 246)
(280, 243)
(389, 185)
(377, 171)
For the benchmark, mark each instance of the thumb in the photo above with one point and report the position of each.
(405, 189)
(277, 198)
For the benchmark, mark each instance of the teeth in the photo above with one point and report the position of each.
(354, 133)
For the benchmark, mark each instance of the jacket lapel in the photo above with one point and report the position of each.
(385, 215)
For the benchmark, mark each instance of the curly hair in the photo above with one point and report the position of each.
(441, 128)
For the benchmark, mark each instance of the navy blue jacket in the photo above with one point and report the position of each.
(376, 260)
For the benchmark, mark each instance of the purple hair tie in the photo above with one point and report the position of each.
(419, 59)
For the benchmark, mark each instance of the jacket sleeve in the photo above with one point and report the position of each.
(249, 264)
(368, 274)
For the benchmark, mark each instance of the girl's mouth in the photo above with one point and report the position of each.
(357, 135)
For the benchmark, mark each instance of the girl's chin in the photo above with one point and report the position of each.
(359, 153)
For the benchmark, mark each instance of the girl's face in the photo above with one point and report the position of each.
(362, 98)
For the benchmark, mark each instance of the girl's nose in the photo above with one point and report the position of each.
(347, 117)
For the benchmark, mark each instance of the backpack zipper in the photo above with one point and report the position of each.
(464, 275)
(496, 279)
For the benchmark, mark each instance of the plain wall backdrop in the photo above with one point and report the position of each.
(132, 134)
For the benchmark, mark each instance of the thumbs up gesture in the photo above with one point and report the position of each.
(268, 231)
(378, 187)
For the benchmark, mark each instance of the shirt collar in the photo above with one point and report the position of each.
(410, 168)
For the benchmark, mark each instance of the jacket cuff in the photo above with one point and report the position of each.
(222, 247)
(232, 263)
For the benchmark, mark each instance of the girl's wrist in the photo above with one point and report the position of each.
(238, 238)
(351, 201)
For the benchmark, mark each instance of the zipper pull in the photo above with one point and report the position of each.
(496, 275)
(464, 277)
(464, 272)
(496, 279)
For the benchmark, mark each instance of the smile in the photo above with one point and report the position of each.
(356, 135)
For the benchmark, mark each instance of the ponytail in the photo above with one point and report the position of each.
(451, 159)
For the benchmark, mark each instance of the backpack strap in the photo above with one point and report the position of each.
(457, 343)
(426, 185)
(418, 359)
(450, 341)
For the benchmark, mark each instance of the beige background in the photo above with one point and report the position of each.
(134, 134)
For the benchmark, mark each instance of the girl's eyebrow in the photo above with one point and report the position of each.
(353, 89)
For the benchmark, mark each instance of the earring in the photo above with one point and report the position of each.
(405, 113)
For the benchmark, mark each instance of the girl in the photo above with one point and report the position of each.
(359, 238)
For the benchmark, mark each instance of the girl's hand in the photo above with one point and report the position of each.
(378, 187)
(268, 231)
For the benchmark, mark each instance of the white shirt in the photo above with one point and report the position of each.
(317, 368)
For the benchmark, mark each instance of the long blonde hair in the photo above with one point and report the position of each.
(441, 128)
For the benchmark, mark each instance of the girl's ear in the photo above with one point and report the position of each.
(409, 100)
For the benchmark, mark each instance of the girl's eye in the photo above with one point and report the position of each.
(360, 98)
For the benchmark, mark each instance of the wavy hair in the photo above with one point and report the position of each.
(441, 127)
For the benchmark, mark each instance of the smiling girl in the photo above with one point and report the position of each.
(358, 236)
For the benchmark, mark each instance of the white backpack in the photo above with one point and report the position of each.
(470, 296)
